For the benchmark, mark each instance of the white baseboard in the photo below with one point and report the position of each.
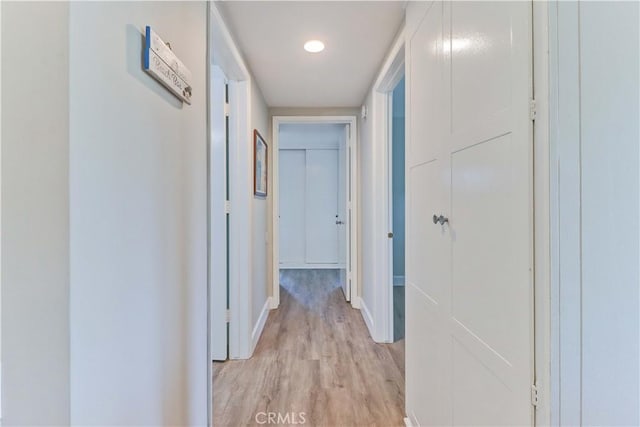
(398, 280)
(368, 320)
(356, 302)
(259, 326)
(272, 303)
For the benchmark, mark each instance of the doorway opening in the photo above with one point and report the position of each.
(314, 200)
(397, 206)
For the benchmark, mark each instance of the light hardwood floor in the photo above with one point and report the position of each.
(398, 313)
(315, 356)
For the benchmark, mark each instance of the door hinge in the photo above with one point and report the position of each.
(535, 397)
(227, 316)
(532, 109)
(226, 109)
(227, 207)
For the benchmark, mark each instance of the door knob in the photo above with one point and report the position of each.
(339, 222)
(440, 219)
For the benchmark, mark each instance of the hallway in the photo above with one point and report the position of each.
(315, 357)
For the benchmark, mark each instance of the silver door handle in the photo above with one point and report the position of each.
(440, 219)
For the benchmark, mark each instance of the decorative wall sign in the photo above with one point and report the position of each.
(260, 165)
(161, 63)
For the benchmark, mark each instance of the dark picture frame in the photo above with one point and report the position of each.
(260, 165)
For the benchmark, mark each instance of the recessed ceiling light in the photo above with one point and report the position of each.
(314, 46)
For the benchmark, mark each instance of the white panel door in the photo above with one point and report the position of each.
(469, 309)
(491, 211)
(292, 206)
(321, 211)
(427, 275)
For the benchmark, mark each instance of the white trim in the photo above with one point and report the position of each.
(368, 319)
(223, 49)
(297, 266)
(390, 74)
(259, 326)
(542, 216)
(223, 52)
(209, 360)
(240, 241)
(0, 225)
(410, 420)
(355, 196)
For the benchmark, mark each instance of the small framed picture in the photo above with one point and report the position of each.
(260, 165)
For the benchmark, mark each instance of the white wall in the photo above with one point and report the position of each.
(594, 141)
(311, 136)
(138, 219)
(35, 214)
(368, 220)
(261, 215)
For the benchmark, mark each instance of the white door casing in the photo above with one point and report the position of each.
(469, 159)
(352, 204)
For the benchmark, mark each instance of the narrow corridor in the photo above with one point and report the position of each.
(315, 357)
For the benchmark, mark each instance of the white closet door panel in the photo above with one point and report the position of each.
(322, 207)
(292, 208)
(428, 361)
(426, 115)
(428, 342)
(428, 264)
(469, 294)
(491, 212)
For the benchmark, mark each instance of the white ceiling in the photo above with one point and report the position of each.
(271, 35)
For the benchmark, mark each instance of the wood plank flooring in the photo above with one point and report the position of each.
(398, 313)
(315, 356)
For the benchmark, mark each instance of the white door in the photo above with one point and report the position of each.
(341, 220)
(470, 286)
(218, 216)
(322, 207)
(292, 207)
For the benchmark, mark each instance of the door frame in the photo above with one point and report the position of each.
(223, 53)
(392, 71)
(352, 238)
